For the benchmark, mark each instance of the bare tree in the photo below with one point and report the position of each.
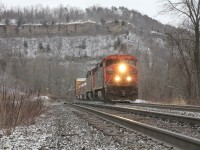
(181, 41)
(189, 10)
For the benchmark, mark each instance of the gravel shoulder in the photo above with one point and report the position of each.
(57, 128)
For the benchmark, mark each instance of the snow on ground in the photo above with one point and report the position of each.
(45, 99)
(58, 128)
(139, 101)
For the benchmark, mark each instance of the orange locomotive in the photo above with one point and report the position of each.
(115, 78)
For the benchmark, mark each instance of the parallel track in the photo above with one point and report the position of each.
(168, 116)
(175, 139)
(171, 107)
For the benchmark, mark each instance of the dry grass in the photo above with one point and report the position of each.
(178, 101)
(17, 109)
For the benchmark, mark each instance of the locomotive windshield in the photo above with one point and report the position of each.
(110, 62)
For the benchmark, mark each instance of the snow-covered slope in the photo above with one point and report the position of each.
(77, 46)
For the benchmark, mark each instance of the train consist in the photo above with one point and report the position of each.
(114, 78)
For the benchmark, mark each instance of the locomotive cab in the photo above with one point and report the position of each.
(121, 72)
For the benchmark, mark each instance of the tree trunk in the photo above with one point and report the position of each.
(197, 58)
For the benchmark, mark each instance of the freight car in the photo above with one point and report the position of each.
(114, 78)
(80, 85)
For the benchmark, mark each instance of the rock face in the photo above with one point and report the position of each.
(67, 29)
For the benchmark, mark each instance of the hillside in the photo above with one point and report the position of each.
(52, 52)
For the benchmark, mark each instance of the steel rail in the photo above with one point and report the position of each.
(172, 107)
(150, 113)
(174, 139)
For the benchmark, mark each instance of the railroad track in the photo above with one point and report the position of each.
(175, 139)
(188, 108)
(169, 116)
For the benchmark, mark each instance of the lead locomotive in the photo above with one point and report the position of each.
(114, 78)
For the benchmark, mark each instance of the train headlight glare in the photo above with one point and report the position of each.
(122, 68)
(117, 78)
(129, 78)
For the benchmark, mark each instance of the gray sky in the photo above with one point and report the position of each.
(148, 7)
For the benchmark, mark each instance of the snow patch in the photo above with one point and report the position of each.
(45, 99)
(139, 101)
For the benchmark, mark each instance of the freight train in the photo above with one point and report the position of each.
(115, 78)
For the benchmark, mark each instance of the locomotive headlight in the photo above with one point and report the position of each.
(117, 78)
(129, 79)
(122, 68)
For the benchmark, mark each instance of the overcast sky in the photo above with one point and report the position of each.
(148, 7)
